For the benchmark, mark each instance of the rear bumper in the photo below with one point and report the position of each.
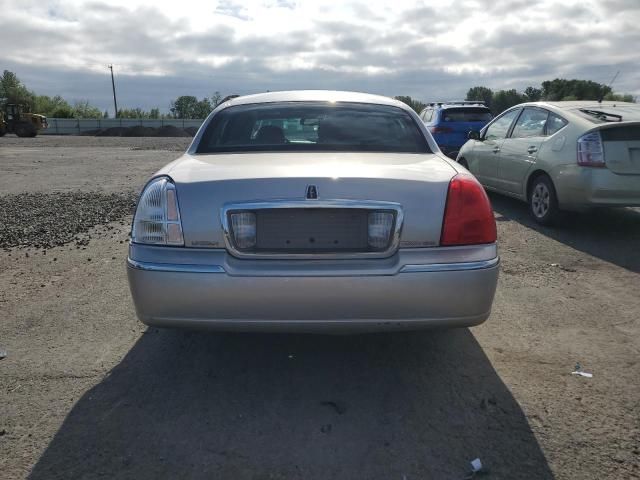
(393, 295)
(578, 187)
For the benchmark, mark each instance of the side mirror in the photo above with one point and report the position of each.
(473, 135)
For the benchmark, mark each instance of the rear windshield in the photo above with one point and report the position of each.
(608, 113)
(312, 126)
(468, 114)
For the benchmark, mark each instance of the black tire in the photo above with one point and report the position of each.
(543, 201)
(25, 130)
(2, 131)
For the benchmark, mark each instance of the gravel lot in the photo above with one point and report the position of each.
(86, 391)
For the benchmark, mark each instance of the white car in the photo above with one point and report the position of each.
(560, 155)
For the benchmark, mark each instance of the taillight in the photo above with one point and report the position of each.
(468, 216)
(590, 151)
(157, 218)
(441, 129)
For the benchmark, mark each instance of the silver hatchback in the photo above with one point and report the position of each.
(560, 155)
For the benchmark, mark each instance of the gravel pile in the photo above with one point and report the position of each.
(46, 220)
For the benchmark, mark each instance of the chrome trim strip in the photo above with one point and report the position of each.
(174, 267)
(451, 267)
(434, 267)
(284, 203)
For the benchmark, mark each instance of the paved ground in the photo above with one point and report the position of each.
(86, 391)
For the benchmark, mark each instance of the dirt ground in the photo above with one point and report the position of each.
(86, 391)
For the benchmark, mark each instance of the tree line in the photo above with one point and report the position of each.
(12, 90)
(550, 90)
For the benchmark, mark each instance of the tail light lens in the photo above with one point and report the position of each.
(590, 151)
(468, 216)
(441, 129)
(157, 218)
(243, 228)
(380, 225)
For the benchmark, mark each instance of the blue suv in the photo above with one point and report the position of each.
(451, 122)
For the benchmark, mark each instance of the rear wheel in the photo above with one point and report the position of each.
(543, 202)
(25, 130)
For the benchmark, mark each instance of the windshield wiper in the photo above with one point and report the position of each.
(604, 116)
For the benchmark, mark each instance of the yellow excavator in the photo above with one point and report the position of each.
(13, 119)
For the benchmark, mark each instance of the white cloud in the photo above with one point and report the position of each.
(437, 49)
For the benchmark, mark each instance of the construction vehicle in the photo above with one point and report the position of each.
(13, 119)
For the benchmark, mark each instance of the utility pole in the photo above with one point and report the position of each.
(113, 85)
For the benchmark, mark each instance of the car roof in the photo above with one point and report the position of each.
(457, 104)
(317, 96)
(573, 104)
(471, 105)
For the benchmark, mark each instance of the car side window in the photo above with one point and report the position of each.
(500, 127)
(427, 115)
(555, 123)
(530, 123)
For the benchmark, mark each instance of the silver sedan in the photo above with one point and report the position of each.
(560, 155)
(313, 211)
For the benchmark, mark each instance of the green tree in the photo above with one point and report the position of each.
(203, 108)
(616, 97)
(184, 106)
(13, 91)
(82, 109)
(417, 105)
(154, 113)
(46, 105)
(188, 106)
(560, 88)
(503, 99)
(216, 98)
(132, 113)
(63, 111)
(483, 94)
(533, 94)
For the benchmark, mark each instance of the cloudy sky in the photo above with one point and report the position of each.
(430, 50)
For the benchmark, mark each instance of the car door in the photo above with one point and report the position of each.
(520, 149)
(484, 161)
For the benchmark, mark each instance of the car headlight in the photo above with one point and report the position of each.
(157, 217)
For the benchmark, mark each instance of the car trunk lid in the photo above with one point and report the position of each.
(207, 183)
(621, 143)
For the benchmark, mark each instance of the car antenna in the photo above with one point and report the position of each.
(610, 83)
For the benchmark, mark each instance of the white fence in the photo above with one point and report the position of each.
(75, 126)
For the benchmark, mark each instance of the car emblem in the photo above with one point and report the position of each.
(312, 192)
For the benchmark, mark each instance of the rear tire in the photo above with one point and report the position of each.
(543, 201)
(25, 130)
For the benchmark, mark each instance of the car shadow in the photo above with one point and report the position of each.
(611, 234)
(194, 405)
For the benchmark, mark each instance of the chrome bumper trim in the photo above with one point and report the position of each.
(173, 267)
(434, 267)
(451, 267)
